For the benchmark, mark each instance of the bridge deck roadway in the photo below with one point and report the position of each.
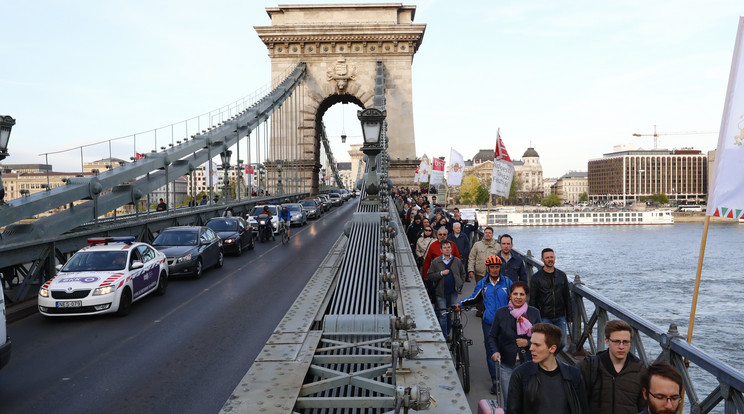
(181, 353)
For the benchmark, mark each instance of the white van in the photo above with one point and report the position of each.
(4, 338)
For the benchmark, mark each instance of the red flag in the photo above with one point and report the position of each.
(500, 152)
(139, 156)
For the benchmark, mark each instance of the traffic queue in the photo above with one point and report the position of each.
(111, 273)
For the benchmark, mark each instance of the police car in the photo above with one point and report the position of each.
(105, 276)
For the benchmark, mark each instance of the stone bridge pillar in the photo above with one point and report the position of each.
(341, 45)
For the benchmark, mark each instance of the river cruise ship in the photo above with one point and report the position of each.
(575, 218)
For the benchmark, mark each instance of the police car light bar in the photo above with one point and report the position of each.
(107, 240)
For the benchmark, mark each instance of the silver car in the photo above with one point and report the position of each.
(297, 215)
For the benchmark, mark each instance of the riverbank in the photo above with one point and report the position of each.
(700, 217)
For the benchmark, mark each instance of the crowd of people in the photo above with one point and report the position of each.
(525, 321)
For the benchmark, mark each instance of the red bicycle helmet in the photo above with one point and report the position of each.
(493, 260)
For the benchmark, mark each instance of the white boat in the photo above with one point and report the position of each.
(500, 218)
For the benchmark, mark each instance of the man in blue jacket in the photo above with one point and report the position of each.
(514, 267)
(493, 292)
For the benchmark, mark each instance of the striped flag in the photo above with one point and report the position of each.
(503, 169)
(726, 195)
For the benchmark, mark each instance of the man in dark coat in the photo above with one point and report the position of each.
(551, 294)
(546, 385)
(613, 377)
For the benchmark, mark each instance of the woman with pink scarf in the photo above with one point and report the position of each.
(511, 332)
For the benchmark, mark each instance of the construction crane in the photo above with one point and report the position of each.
(656, 135)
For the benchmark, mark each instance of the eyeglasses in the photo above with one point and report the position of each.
(427, 231)
(673, 398)
(619, 342)
(442, 234)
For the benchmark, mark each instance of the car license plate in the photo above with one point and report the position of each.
(70, 304)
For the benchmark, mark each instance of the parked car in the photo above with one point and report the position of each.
(326, 200)
(336, 199)
(312, 208)
(324, 206)
(190, 249)
(235, 233)
(273, 208)
(5, 344)
(104, 277)
(297, 215)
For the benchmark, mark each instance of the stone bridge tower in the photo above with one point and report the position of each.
(341, 45)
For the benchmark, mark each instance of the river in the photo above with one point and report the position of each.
(651, 270)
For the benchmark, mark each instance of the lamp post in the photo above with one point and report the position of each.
(225, 156)
(6, 124)
(279, 185)
(239, 189)
(372, 119)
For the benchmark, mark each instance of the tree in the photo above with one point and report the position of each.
(551, 201)
(482, 194)
(583, 197)
(469, 189)
(660, 198)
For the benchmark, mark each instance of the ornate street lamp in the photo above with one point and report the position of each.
(279, 185)
(6, 124)
(372, 119)
(240, 167)
(225, 156)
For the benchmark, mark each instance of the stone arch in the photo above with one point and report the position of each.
(323, 107)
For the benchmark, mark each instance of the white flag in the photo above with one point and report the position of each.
(437, 172)
(503, 169)
(726, 195)
(457, 163)
(424, 172)
(211, 180)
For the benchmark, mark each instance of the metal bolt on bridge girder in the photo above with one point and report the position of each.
(388, 295)
(415, 397)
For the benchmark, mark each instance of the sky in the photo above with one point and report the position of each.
(571, 78)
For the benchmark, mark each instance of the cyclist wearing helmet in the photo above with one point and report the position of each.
(493, 292)
(285, 218)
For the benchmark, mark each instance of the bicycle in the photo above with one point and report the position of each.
(459, 348)
(285, 233)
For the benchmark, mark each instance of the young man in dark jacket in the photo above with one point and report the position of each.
(546, 385)
(613, 376)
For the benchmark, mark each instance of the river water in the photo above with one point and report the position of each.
(651, 270)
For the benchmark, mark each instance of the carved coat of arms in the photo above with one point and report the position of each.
(342, 73)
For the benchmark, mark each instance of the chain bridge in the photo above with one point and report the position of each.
(362, 336)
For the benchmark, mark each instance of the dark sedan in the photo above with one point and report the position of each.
(190, 250)
(235, 233)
